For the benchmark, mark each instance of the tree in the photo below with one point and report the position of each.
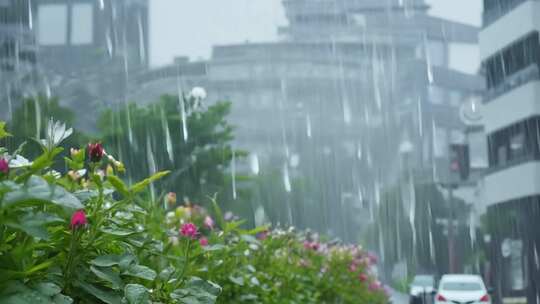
(155, 137)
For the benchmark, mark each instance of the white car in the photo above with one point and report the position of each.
(462, 289)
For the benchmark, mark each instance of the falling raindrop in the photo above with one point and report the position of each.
(233, 173)
(168, 140)
(286, 178)
(254, 163)
(308, 126)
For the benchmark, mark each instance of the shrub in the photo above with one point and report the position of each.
(87, 237)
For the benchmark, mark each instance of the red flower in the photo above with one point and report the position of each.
(203, 241)
(363, 277)
(78, 219)
(95, 152)
(4, 166)
(189, 230)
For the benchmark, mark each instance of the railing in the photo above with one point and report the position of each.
(493, 13)
(528, 74)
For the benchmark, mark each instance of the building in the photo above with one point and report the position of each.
(18, 71)
(348, 82)
(510, 52)
(82, 51)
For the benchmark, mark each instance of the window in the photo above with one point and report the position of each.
(52, 24)
(517, 142)
(520, 55)
(478, 149)
(82, 24)
(462, 286)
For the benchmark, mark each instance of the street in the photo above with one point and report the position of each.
(398, 297)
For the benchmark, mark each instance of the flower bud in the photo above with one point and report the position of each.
(95, 152)
(78, 219)
(4, 166)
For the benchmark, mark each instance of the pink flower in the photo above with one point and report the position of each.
(263, 235)
(353, 267)
(209, 222)
(78, 219)
(363, 277)
(375, 286)
(372, 259)
(4, 166)
(203, 242)
(312, 245)
(95, 152)
(189, 230)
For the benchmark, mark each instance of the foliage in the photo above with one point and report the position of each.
(30, 121)
(88, 237)
(195, 142)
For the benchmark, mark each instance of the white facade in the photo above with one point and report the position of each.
(510, 179)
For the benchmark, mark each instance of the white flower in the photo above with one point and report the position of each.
(56, 132)
(198, 93)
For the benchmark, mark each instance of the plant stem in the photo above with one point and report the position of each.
(186, 263)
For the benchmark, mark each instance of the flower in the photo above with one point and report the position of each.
(263, 235)
(353, 267)
(95, 152)
(4, 166)
(228, 216)
(74, 152)
(312, 245)
(189, 230)
(171, 198)
(375, 286)
(78, 219)
(203, 241)
(209, 222)
(198, 93)
(363, 277)
(74, 175)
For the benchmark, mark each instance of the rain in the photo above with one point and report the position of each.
(407, 127)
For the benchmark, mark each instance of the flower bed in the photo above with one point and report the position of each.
(87, 237)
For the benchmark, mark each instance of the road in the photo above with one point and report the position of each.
(398, 298)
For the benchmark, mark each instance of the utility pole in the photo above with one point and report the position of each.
(451, 234)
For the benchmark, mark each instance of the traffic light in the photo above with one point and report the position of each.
(459, 160)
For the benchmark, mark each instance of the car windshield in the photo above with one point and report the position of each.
(423, 281)
(462, 286)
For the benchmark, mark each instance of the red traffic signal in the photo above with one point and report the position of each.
(459, 160)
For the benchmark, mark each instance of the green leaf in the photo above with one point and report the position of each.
(34, 224)
(108, 275)
(36, 190)
(140, 186)
(237, 280)
(197, 291)
(136, 294)
(215, 247)
(48, 289)
(119, 185)
(3, 132)
(62, 299)
(118, 231)
(250, 239)
(109, 260)
(140, 271)
(105, 296)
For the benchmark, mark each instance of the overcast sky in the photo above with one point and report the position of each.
(191, 27)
